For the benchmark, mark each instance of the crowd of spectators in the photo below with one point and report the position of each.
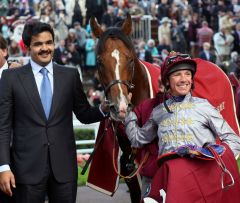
(209, 29)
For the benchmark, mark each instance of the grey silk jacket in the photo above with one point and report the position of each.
(193, 121)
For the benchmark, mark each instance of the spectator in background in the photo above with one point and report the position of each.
(236, 36)
(143, 53)
(61, 53)
(164, 31)
(206, 53)
(95, 8)
(14, 50)
(163, 10)
(109, 17)
(77, 13)
(204, 34)
(72, 38)
(226, 21)
(174, 12)
(3, 7)
(90, 54)
(223, 42)
(47, 14)
(82, 36)
(73, 57)
(233, 63)
(26, 9)
(5, 29)
(56, 32)
(146, 6)
(61, 24)
(216, 12)
(177, 37)
(163, 46)
(194, 24)
(152, 48)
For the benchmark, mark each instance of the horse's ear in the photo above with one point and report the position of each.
(127, 25)
(95, 27)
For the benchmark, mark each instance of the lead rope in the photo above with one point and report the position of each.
(85, 167)
(145, 158)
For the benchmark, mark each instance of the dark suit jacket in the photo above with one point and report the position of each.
(33, 135)
(212, 57)
(236, 42)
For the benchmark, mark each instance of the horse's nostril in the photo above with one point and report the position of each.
(130, 107)
(114, 109)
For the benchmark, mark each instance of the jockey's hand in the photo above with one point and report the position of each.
(105, 107)
(7, 180)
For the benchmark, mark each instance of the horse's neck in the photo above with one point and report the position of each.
(141, 90)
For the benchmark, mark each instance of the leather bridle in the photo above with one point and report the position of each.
(128, 83)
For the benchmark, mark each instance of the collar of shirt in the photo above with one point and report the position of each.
(185, 99)
(36, 67)
(4, 67)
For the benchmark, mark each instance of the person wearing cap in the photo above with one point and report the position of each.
(182, 119)
(164, 31)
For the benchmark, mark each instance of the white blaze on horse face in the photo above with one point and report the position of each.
(122, 102)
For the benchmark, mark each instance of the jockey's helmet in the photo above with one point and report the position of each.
(175, 62)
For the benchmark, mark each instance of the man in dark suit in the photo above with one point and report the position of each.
(36, 105)
(206, 53)
(3, 66)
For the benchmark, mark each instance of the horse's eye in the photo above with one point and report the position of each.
(130, 61)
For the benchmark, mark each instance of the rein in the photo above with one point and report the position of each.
(225, 171)
(85, 167)
(136, 171)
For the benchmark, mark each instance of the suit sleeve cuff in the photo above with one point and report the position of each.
(4, 168)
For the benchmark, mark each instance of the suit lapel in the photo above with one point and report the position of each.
(57, 83)
(28, 81)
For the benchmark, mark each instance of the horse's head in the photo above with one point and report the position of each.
(116, 62)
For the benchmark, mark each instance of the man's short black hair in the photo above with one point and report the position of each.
(33, 28)
(3, 42)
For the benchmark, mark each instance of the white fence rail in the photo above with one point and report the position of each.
(142, 27)
(93, 126)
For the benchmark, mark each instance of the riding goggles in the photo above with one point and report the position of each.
(172, 59)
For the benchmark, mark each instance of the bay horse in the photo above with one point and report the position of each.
(121, 72)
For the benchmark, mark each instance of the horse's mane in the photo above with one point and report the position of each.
(115, 33)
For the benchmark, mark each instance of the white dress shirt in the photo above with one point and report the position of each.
(4, 67)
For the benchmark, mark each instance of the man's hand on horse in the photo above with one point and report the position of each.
(7, 180)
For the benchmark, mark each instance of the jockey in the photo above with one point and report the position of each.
(182, 119)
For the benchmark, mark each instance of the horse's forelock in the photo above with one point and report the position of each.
(114, 32)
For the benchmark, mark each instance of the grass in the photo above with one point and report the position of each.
(82, 178)
(238, 161)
